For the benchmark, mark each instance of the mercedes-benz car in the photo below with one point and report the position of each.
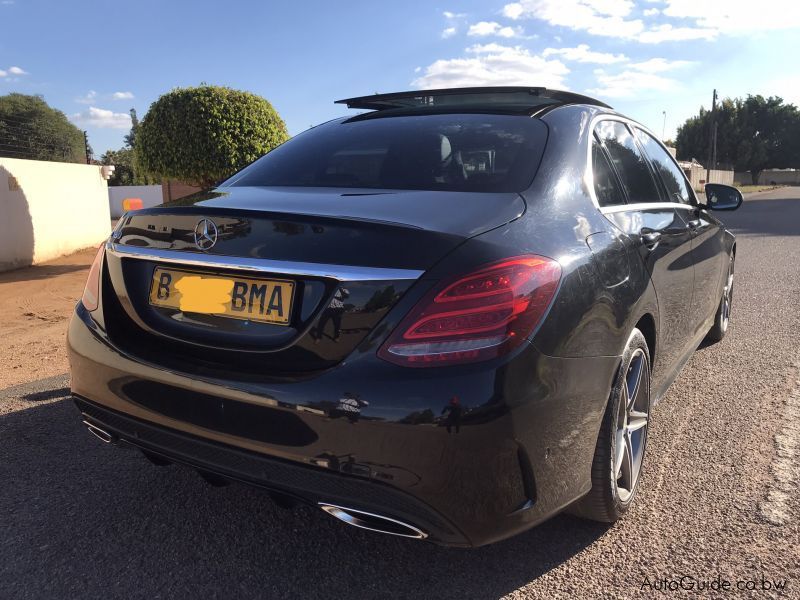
(446, 316)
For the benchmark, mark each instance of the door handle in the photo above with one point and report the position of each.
(650, 237)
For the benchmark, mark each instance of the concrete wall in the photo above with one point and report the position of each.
(779, 176)
(49, 209)
(150, 195)
(697, 177)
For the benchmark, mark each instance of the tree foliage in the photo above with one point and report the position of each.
(31, 129)
(127, 171)
(753, 134)
(130, 139)
(204, 134)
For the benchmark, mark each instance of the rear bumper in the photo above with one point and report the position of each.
(520, 452)
(313, 486)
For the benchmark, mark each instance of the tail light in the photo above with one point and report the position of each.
(476, 317)
(91, 293)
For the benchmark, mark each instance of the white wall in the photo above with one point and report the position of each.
(49, 209)
(149, 194)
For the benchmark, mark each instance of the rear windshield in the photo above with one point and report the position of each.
(453, 152)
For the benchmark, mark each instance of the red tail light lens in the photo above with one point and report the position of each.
(476, 317)
(91, 293)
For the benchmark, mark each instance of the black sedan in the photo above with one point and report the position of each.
(446, 317)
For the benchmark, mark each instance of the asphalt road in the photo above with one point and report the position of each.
(718, 500)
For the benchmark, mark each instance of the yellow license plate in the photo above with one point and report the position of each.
(264, 300)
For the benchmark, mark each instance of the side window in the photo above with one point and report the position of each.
(630, 163)
(678, 189)
(606, 185)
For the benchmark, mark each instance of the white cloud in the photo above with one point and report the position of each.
(691, 19)
(448, 32)
(583, 54)
(513, 11)
(123, 95)
(451, 15)
(485, 28)
(102, 118)
(668, 33)
(631, 83)
(659, 65)
(597, 17)
(89, 98)
(12, 71)
(736, 16)
(493, 64)
(638, 78)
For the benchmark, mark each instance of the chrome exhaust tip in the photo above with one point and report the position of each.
(100, 433)
(373, 522)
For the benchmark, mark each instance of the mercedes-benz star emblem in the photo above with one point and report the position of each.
(205, 234)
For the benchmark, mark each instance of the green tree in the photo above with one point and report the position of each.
(128, 171)
(130, 139)
(204, 134)
(31, 129)
(125, 170)
(753, 134)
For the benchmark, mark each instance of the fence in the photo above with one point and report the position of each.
(49, 209)
(697, 177)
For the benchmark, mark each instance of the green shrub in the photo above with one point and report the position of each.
(204, 134)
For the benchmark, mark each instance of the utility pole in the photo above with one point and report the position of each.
(664, 124)
(714, 147)
(712, 137)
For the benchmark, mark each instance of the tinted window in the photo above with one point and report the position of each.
(457, 152)
(671, 174)
(629, 161)
(606, 184)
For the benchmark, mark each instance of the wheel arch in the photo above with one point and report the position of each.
(647, 325)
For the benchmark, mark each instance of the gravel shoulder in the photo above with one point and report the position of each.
(35, 305)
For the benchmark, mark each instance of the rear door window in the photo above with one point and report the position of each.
(675, 184)
(606, 185)
(630, 163)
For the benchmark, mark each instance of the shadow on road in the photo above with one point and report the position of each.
(773, 216)
(85, 519)
(39, 272)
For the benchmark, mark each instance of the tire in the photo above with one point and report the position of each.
(723, 317)
(623, 435)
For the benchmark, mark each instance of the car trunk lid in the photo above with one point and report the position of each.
(347, 257)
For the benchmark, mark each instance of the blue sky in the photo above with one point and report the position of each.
(96, 60)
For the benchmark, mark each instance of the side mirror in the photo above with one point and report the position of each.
(722, 197)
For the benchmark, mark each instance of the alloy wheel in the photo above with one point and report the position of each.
(631, 428)
(727, 299)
